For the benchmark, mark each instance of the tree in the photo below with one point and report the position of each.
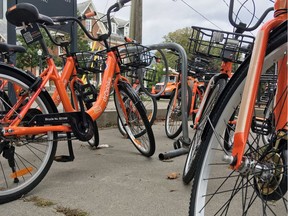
(30, 58)
(181, 37)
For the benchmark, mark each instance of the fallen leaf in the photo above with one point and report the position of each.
(173, 175)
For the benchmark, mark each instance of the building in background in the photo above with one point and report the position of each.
(120, 27)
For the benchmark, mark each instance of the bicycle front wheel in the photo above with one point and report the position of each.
(173, 120)
(218, 190)
(136, 124)
(150, 105)
(24, 160)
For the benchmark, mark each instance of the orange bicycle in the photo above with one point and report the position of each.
(252, 177)
(73, 83)
(28, 142)
(195, 92)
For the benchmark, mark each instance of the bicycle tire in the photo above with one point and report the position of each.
(173, 119)
(150, 105)
(241, 194)
(190, 165)
(138, 127)
(31, 160)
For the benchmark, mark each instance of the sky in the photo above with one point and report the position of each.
(163, 16)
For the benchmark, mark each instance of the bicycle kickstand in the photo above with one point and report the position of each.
(67, 158)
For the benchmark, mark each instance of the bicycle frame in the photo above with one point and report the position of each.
(193, 84)
(195, 91)
(51, 73)
(252, 83)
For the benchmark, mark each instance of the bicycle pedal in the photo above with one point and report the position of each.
(261, 126)
(64, 158)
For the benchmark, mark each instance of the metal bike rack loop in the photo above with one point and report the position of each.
(183, 142)
(181, 145)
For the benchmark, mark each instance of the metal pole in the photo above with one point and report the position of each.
(135, 30)
(184, 65)
(183, 142)
(11, 39)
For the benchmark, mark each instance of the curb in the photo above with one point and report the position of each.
(109, 117)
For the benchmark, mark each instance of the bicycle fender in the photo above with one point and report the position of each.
(219, 76)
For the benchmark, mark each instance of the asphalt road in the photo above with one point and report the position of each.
(115, 180)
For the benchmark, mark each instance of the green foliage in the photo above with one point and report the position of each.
(30, 59)
(181, 37)
(82, 42)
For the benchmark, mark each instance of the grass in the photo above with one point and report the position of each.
(39, 201)
(71, 212)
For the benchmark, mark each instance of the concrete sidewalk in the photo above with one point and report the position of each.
(111, 181)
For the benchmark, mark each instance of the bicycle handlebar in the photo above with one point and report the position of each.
(239, 26)
(61, 19)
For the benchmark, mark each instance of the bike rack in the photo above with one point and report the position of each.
(181, 145)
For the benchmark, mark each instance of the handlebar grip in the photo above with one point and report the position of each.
(87, 15)
(129, 40)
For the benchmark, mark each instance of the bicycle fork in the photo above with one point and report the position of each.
(237, 160)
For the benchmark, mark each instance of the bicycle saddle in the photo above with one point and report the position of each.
(4, 47)
(26, 13)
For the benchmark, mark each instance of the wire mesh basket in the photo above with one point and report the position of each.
(89, 61)
(227, 46)
(133, 55)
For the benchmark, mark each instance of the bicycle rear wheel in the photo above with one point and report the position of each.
(219, 190)
(137, 126)
(24, 160)
(190, 165)
(173, 120)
